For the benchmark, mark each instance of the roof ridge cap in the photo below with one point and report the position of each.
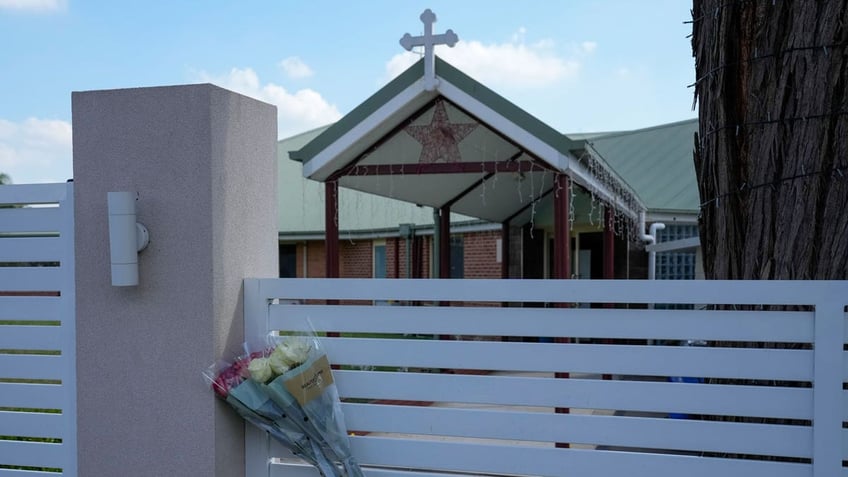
(645, 129)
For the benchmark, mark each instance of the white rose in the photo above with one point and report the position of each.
(278, 363)
(293, 351)
(260, 370)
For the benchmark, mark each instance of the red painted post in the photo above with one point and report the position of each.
(331, 227)
(331, 239)
(609, 244)
(562, 254)
(397, 259)
(505, 250)
(562, 227)
(444, 252)
(444, 242)
(609, 260)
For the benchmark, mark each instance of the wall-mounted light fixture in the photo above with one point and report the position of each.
(126, 238)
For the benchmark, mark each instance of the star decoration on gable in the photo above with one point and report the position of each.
(440, 139)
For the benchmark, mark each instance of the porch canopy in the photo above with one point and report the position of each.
(455, 145)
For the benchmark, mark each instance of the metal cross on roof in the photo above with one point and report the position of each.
(429, 41)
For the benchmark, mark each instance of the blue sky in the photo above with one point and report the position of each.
(577, 65)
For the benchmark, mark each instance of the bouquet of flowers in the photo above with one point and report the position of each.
(287, 390)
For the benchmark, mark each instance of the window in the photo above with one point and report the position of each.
(457, 263)
(288, 260)
(379, 270)
(676, 265)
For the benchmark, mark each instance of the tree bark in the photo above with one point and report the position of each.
(771, 153)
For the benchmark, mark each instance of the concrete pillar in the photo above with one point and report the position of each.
(203, 161)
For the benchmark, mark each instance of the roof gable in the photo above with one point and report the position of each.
(374, 140)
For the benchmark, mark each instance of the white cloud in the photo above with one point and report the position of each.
(295, 68)
(34, 6)
(588, 47)
(296, 112)
(513, 64)
(36, 150)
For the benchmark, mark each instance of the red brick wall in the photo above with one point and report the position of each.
(355, 259)
(427, 247)
(480, 255)
(315, 260)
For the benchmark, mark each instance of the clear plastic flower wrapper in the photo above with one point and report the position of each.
(304, 383)
(286, 388)
(231, 382)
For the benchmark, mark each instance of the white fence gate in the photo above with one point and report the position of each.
(471, 387)
(37, 332)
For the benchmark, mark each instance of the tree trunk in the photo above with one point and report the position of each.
(771, 153)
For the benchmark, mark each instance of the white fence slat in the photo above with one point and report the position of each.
(68, 313)
(31, 366)
(774, 326)
(35, 396)
(31, 337)
(33, 424)
(845, 405)
(845, 327)
(755, 401)
(33, 193)
(32, 473)
(550, 461)
(298, 468)
(33, 454)
(772, 364)
(31, 279)
(30, 249)
(293, 466)
(29, 220)
(632, 432)
(844, 366)
(738, 292)
(31, 308)
(828, 382)
(844, 444)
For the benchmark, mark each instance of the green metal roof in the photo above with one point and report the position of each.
(656, 163)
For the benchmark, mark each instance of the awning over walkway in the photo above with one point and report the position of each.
(460, 146)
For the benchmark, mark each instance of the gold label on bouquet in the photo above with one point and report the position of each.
(311, 382)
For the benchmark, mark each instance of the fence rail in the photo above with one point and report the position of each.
(37, 331)
(471, 386)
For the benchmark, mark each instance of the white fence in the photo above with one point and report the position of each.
(416, 412)
(37, 333)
